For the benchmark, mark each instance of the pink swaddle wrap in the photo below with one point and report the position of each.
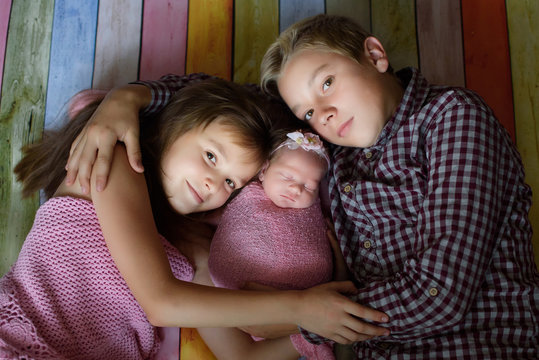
(64, 298)
(256, 241)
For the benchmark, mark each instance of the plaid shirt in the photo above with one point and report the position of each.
(433, 222)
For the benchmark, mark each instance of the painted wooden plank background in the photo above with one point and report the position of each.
(486, 52)
(5, 8)
(72, 53)
(164, 38)
(439, 34)
(523, 24)
(227, 38)
(118, 43)
(209, 47)
(249, 45)
(22, 111)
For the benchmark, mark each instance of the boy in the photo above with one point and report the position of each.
(427, 193)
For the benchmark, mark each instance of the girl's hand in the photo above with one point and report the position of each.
(116, 119)
(326, 312)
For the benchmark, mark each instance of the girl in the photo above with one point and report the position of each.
(94, 277)
(273, 233)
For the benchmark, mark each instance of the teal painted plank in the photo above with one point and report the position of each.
(291, 11)
(72, 53)
(118, 43)
(22, 111)
(5, 9)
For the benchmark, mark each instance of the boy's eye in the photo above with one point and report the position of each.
(230, 183)
(327, 84)
(308, 115)
(211, 157)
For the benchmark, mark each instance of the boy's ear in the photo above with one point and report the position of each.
(262, 171)
(376, 54)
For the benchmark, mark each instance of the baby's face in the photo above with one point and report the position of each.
(293, 177)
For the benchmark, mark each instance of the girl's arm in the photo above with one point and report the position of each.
(125, 215)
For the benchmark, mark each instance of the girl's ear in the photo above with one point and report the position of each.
(376, 54)
(263, 171)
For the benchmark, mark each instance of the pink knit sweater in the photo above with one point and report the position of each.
(256, 241)
(64, 298)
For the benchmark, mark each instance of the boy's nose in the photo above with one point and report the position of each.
(326, 114)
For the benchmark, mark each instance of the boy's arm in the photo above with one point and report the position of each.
(117, 119)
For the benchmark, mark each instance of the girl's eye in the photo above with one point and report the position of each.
(309, 115)
(211, 157)
(327, 84)
(230, 183)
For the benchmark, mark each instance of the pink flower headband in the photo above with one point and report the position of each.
(307, 141)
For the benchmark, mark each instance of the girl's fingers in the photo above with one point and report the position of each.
(103, 161)
(132, 145)
(73, 160)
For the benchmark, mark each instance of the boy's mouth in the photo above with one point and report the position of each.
(344, 128)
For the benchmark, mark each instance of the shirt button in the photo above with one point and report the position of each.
(368, 155)
(347, 188)
(433, 291)
(367, 244)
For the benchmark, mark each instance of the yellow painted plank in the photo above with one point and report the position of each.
(523, 26)
(359, 10)
(256, 26)
(393, 22)
(22, 113)
(209, 38)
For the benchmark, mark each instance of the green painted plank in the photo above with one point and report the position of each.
(393, 22)
(359, 10)
(256, 26)
(522, 18)
(439, 30)
(22, 110)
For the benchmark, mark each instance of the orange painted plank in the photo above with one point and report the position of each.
(256, 26)
(209, 41)
(164, 38)
(439, 36)
(486, 52)
(5, 10)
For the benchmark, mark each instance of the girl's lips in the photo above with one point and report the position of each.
(195, 194)
(344, 128)
(288, 198)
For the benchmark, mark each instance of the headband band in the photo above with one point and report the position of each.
(307, 141)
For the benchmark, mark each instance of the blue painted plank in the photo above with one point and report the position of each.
(72, 53)
(291, 11)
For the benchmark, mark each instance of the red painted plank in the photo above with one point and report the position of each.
(486, 56)
(164, 38)
(5, 10)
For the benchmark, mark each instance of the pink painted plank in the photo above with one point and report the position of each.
(5, 10)
(483, 21)
(164, 38)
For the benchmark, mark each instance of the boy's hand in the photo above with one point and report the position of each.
(116, 119)
(328, 313)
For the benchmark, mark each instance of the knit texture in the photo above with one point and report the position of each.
(256, 241)
(64, 297)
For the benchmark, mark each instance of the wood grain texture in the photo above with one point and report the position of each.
(164, 38)
(291, 11)
(483, 21)
(117, 43)
(72, 54)
(256, 26)
(359, 10)
(209, 42)
(22, 110)
(5, 9)
(522, 18)
(439, 30)
(393, 22)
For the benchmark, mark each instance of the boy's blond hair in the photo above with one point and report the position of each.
(321, 32)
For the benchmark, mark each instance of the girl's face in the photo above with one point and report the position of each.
(203, 167)
(292, 178)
